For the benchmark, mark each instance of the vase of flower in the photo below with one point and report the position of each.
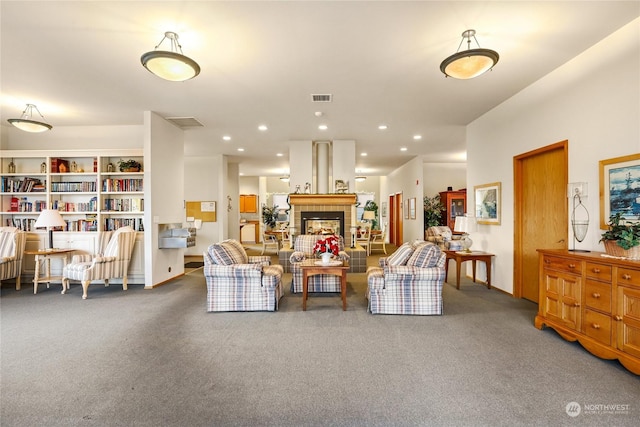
(326, 257)
(326, 248)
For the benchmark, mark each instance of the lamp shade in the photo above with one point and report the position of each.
(50, 218)
(369, 215)
(465, 224)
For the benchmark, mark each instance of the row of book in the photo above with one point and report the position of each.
(111, 224)
(91, 206)
(24, 205)
(24, 224)
(113, 184)
(123, 205)
(69, 187)
(21, 185)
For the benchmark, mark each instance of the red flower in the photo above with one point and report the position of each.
(329, 244)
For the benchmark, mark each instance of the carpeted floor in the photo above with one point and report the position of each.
(156, 358)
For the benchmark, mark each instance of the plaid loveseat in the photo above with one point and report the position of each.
(12, 243)
(237, 282)
(303, 249)
(409, 281)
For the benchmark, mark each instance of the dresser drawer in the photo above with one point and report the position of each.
(598, 295)
(562, 264)
(626, 276)
(597, 326)
(599, 271)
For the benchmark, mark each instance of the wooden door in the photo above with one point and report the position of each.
(540, 212)
(395, 219)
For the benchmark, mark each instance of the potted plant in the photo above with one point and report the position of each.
(327, 248)
(129, 165)
(372, 206)
(433, 208)
(622, 238)
(269, 216)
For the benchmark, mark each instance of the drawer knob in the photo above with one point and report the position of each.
(596, 270)
(572, 266)
(626, 276)
(576, 304)
(546, 261)
(595, 295)
(617, 317)
(595, 326)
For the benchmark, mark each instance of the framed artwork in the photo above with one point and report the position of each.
(412, 208)
(383, 209)
(488, 198)
(620, 188)
(406, 209)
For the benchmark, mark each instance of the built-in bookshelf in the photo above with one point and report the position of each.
(88, 189)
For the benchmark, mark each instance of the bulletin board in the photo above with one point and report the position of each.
(206, 211)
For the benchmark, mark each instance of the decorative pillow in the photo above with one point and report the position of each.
(228, 253)
(401, 255)
(426, 256)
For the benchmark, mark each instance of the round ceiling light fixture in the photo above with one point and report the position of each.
(26, 122)
(469, 63)
(170, 65)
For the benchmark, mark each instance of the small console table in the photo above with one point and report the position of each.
(310, 268)
(44, 256)
(462, 256)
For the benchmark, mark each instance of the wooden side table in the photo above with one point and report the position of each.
(473, 256)
(44, 256)
(310, 268)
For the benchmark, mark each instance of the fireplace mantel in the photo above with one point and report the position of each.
(322, 199)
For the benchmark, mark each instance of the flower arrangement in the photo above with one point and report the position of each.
(327, 245)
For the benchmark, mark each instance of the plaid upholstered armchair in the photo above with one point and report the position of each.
(112, 261)
(12, 243)
(237, 282)
(443, 237)
(409, 281)
(303, 249)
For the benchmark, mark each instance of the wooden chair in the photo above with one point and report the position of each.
(364, 236)
(270, 241)
(379, 240)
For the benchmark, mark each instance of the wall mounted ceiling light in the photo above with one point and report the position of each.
(170, 65)
(469, 63)
(26, 122)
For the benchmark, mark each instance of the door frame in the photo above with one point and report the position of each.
(518, 231)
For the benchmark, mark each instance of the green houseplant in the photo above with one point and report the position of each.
(433, 208)
(269, 216)
(622, 239)
(129, 165)
(372, 206)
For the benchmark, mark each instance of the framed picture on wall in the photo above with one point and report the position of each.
(487, 203)
(406, 209)
(412, 208)
(619, 188)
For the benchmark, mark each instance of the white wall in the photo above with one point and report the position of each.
(74, 137)
(202, 180)
(164, 195)
(408, 179)
(592, 101)
(438, 176)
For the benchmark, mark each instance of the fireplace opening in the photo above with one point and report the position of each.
(323, 223)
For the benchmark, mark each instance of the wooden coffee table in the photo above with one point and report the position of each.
(310, 268)
(44, 256)
(462, 256)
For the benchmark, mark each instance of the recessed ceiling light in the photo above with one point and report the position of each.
(263, 128)
(363, 154)
(403, 148)
(279, 154)
(240, 149)
(323, 127)
(226, 138)
(241, 174)
(417, 137)
(383, 127)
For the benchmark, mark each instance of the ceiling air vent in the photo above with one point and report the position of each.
(321, 97)
(184, 122)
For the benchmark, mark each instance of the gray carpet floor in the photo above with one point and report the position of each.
(156, 358)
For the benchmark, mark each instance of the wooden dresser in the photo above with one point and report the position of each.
(592, 299)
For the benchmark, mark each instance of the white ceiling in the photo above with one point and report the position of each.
(79, 62)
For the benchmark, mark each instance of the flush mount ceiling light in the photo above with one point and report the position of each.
(469, 63)
(170, 65)
(284, 178)
(360, 178)
(27, 124)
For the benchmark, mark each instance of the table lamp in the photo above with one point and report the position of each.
(465, 225)
(48, 219)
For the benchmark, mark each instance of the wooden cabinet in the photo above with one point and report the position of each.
(592, 299)
(248, 203)
(455, 204)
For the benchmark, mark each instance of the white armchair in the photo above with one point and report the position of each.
(12, 243)
(112, 262)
